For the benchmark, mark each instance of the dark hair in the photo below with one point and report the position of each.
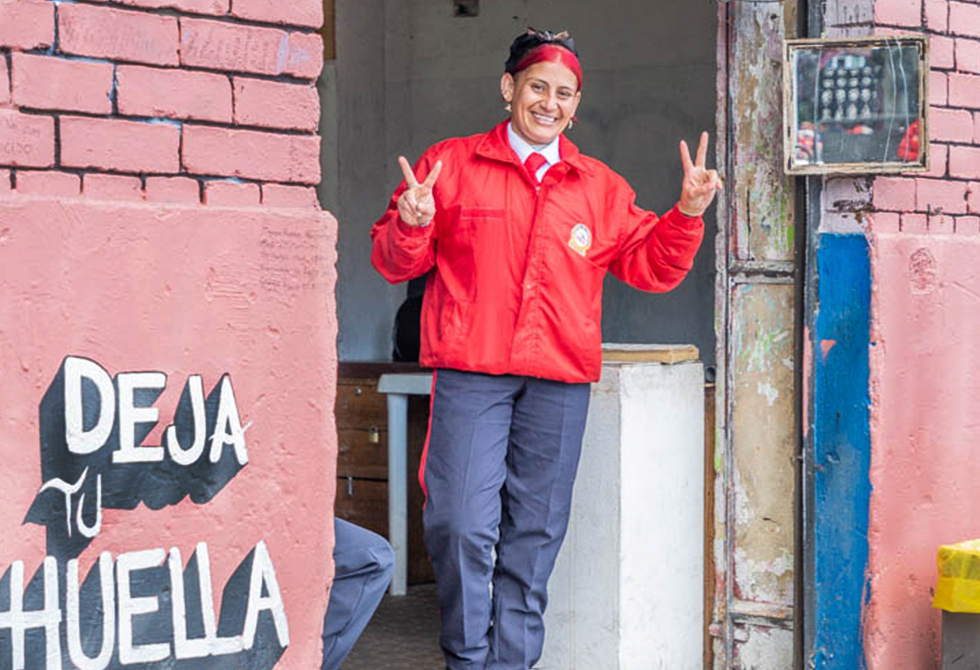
(532, 39)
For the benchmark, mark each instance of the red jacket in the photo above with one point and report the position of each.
(517, 287)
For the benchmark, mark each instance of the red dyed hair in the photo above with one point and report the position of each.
(554, 54)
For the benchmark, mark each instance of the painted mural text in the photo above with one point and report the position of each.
(118, 616)
(102, 413)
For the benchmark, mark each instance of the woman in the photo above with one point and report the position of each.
(520, 229)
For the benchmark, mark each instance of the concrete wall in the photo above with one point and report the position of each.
(914, 478)
(410, 74)
(167, 336)
(627, 590)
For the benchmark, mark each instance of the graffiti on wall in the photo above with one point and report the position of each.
(143, 608)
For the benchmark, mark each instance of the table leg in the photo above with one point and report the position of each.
(398, 489)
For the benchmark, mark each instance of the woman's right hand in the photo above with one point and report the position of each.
(416, 206)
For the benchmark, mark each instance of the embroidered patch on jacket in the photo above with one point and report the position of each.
(581, 239)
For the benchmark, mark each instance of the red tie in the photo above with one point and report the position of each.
(533, 163)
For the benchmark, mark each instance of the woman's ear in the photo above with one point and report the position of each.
(507, 87)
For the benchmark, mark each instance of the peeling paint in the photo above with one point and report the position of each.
(764, 441)
(767, 390)
(764, 649)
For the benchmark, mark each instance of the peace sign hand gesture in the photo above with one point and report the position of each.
(700, 184)
(416, 206)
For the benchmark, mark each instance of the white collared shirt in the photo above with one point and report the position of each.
(523, 149)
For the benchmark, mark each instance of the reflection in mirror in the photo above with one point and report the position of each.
(856, 104)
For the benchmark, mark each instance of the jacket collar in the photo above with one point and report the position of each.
(495, 146)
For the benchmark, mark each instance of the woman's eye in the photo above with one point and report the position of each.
(537, 88)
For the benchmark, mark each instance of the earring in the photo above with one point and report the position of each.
(507, 108)
(571, 124)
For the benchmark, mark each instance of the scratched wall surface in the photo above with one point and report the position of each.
(764, 226)
(183, 291)
(762, 361)
(755, 554)
(925, 366)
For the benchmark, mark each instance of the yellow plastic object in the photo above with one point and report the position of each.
(958, 589)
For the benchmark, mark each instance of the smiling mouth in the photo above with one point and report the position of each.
(544, 120)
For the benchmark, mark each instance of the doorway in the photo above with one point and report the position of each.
(408, 73)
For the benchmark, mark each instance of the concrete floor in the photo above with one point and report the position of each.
(403, 635)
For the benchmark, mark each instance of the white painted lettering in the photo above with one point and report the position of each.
(130, 415)
(210, 644)
(129, 607)
(79, 440)
(18, 621)
(75, 652)
(181, 456)
(264, 573)
(228, 427)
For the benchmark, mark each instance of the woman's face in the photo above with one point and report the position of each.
(543, 100)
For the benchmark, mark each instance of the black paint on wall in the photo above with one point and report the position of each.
(126, 485)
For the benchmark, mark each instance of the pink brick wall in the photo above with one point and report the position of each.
(176, 95)
(940, 201)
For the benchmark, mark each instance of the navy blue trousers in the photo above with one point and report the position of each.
(364, 563)
(501, 461)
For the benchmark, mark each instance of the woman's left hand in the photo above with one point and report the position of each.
(700, 184)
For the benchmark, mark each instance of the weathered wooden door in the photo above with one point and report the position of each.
(757, 425)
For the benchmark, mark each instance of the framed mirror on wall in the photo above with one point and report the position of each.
(856, 106)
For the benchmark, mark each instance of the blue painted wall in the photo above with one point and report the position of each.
(842, 449)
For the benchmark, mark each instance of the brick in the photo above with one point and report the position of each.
(216, 7)
(26, 24)
(4, 181)
(884, 222)
(899, 12)
(276, 105)
(4, 81)
(26, 139)
(118, 34)
(119, 145)
(937, 15)
(915, 223)
(149, 91)
(48, 182)
(231, 194)
(964, 18)
(938, 159)
(941, 50)
(227, 46)
(252, 154)
(936, 195)
(278, 195)
(938, 88)
(298, 12)
(941, 224)
(950, 125)
(173, 189)
(964, 90)
(45, 82)
(964, 162)
(894, 194)
(305, 56)
(967, 225)
(967, 55)
(846, 193)
(112, 187)
(973, 198)
(976, 127)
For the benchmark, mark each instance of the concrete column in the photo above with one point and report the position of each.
(626, 593)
